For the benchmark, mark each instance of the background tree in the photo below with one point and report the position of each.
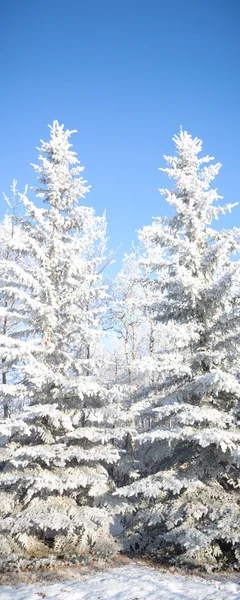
(128, 318)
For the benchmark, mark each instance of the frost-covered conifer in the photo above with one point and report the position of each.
(56, 458)
(188, 504)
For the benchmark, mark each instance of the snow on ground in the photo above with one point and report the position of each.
(128, 583)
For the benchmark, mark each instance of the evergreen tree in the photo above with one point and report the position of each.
(56, 459)
(188, 505)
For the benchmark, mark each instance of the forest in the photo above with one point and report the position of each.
(120, 412)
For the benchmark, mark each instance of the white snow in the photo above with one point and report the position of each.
(128, 583)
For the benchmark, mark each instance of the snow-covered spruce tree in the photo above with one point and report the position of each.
(187, 507)
(55, 457)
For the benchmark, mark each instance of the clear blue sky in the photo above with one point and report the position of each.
(126, 74)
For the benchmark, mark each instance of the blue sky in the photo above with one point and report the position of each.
(126, 74)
